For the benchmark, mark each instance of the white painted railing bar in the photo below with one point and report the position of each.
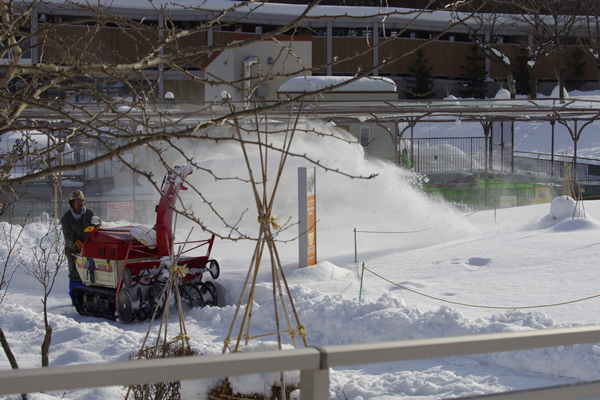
(419, 349)
(313, 362)
(559, 392)
(158, 370)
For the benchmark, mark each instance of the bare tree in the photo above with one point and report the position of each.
(590, 41)
(44, 266)
(487, 34)
(112, 100)
(553, 26)
(91, 96)
(10, 262)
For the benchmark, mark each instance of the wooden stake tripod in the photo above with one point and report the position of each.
(268, 223)
(569, 189)
(163, 346)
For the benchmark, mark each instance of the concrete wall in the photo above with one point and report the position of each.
(381, 145)
(229, 66)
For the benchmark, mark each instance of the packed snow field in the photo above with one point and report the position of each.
(519, 258)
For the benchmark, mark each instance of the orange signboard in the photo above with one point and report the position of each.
(312, 230)
(307, 216)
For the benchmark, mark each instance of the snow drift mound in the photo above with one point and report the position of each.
(566, 216)
(502, 94)
(556, 92)
(323, 271)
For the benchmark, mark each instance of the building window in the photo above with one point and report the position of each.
(365, 135)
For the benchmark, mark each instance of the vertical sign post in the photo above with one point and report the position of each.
(307, 216)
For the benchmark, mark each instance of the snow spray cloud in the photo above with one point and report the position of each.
(389, 202)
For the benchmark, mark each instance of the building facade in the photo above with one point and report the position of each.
(332, 40)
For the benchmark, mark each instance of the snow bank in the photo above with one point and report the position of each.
(556, 93)
(566, 215)
(452, 100)
(520, 257)
(304, 84)
(502, 94)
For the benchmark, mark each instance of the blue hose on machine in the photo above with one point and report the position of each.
(91, 270)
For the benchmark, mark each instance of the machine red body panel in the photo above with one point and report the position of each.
(113, 245)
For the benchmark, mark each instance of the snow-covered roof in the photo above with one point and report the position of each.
(267, 13)
(304, 84)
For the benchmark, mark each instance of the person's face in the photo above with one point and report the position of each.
(78, 205)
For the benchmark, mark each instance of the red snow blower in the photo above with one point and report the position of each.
(125, 269)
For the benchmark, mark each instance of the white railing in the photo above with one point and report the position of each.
(313, 363)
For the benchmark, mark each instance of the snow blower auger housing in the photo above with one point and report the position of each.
(125, 269)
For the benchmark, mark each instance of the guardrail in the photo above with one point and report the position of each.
(313, 363)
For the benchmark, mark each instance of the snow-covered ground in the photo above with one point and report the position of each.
(518, 258)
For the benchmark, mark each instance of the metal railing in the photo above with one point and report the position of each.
(103, 169)
(588, 169)
(77, 155)
(22, 212)
(472, 155)
(27, 211)
(448, 154)
(313, 363)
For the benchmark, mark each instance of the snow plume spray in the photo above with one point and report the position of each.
(392, 201)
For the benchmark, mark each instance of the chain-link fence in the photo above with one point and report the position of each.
(24, 211)
(437, 155)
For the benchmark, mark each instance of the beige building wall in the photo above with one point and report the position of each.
(284, 56)
(380, 144)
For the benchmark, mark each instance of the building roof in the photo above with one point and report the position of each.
(265, 13)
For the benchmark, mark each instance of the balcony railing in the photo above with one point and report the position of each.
(313, 363)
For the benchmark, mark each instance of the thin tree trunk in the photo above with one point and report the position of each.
(532, 81)
(11, 358)
(46, 346)
(561, 73)
(511, 84)
(9, 354)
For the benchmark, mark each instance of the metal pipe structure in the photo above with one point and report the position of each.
(248, 63)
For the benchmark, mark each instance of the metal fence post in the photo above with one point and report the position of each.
(495, 203)
(314, 384)
(355, 252)
(361, 281)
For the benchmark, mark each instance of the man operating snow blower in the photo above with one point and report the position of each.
(74, 222)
